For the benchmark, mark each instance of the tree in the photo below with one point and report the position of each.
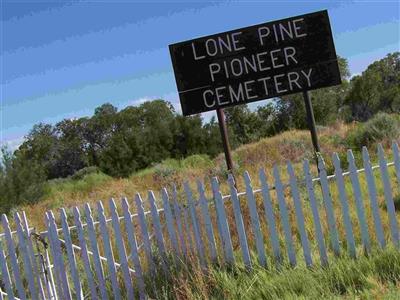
(188, 136)
(98, 130)
(290, 110)
(242, 124)
(377, 89)
(21, 181)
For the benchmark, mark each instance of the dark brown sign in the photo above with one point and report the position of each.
(255, 63)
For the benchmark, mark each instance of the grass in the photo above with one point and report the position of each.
(373, 277)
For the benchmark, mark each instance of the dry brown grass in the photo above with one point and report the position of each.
(294, 145)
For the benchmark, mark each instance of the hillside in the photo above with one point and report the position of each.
(91, 185)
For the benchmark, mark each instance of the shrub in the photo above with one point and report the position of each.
(85, 171)
(197, 161)
(380, 129)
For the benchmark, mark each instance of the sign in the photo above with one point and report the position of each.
(255, 63)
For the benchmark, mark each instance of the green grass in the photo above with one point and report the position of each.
(373, 277)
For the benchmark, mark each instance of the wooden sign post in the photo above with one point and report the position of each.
(311, 122)
(225, 140)
(259, 62)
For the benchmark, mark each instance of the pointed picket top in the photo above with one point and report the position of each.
(334, 237)
(239, 223)
(223, 225)
(284, 217)
(359, 201)
(315, 212)
(13, 257)
(270, 216)
(388, 197)
(129, 227)
(299, 215)
(207, 221)
(255, 220)
(351, 246)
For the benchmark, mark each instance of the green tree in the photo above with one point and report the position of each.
(376, 89)
(290, 110)
(243, 124)
(21, 182)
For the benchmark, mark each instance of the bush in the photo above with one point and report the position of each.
(85, 171)
(197, 161)
(382, 128)
(86, 183)
(20, 183)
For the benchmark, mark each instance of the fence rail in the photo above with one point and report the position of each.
(85, 254)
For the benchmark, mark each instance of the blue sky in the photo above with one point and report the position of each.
(63, 59)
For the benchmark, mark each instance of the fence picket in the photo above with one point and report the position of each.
(12, 254)
(108, 250)
(359, 201)
(284, 217)
(84, 251)
(158, 230)
(170, 221)
(144, 233)
(396, 156)
(95, 250)
(239, 223)
(58, 256)
(348, 227)
(223, 223)
(334, 237)
(255, 221)
(314, 209)
(71, 254)
(129, 226)
(32, 256)
(6, 274)
(373, 198)
(56, 279)
(179, 225)
(270, 216)
(299, 216)
(121, 250)
(207, 221)
(388, 197)
(27, 265)
(186, 224)
(195, 224)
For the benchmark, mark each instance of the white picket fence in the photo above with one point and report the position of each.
(110, 257)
